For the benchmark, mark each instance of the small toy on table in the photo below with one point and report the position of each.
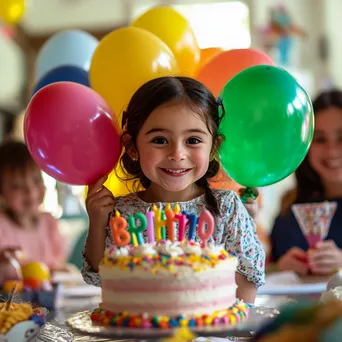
(33, 284)
(20, 322)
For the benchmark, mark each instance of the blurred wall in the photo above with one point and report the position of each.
(332, 31)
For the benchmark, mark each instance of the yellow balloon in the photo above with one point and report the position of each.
(36, 270)
(124, 60)
(11, 11)
(172, 28)
(117, 186)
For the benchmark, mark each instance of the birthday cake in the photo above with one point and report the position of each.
(164, 283)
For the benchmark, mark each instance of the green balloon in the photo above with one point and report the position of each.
(268, 126)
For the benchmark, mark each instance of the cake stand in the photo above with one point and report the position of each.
(82, 323)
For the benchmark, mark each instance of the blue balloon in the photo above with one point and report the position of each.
(64, 73)
(69, 47)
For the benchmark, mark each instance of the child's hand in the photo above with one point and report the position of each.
(99, 203)
(295, 260)
(250, 203)
(325, 258)
(8, 253)
(10, 268)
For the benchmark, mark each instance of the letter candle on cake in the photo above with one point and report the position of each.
(159, 223)
(206, 224)
(170, 216)
(192, 223)
(118, 227)
(181, 218)
(136, 230)
(150, 226)
(131, 231)
(163, 229)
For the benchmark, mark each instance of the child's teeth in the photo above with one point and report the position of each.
(175, 171)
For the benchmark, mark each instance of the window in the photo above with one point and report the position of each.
(221, 24)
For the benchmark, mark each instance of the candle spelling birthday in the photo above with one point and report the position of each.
(157, 222)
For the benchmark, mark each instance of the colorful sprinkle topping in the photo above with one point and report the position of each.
(229, 316)
(155, 262)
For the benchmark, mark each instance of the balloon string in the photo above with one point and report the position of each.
(247, 193)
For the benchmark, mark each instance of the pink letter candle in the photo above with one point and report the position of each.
(206, 224)
(118, 227)
(150, 226)
(181, 218)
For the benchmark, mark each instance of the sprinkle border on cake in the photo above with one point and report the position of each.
(230, 316)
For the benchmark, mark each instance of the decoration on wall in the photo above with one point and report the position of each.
(279, 34)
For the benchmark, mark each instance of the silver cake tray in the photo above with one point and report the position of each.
(258, 316)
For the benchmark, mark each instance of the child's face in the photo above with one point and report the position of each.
(325, 155)
(174, 146)
(23, 192)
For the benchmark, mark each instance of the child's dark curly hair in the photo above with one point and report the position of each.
(156, 93)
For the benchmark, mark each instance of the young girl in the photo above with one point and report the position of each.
(23, 226)
(319, 178)
(170, 138)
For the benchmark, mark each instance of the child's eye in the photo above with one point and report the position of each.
(193, 141)
(15, 186)
(159, 141)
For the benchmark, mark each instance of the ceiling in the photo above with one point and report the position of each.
(47, 16)
(99, 17)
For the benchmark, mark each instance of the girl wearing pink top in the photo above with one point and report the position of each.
(22, 225)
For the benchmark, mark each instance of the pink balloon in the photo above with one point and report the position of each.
(70, 134)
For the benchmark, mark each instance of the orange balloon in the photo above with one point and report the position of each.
(207, 55)
(218, 71)
(223, 182)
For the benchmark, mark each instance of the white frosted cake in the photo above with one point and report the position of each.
(168, 284)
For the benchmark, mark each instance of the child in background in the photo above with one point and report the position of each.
(170, 137)
(319, 178)
(23, 226)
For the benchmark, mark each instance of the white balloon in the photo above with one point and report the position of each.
(12, 71)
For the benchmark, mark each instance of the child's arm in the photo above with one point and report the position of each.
(241, 240)
(100, 203)
(95, 246)
(246, 290)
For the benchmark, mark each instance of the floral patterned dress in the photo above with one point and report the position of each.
(234, 229)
